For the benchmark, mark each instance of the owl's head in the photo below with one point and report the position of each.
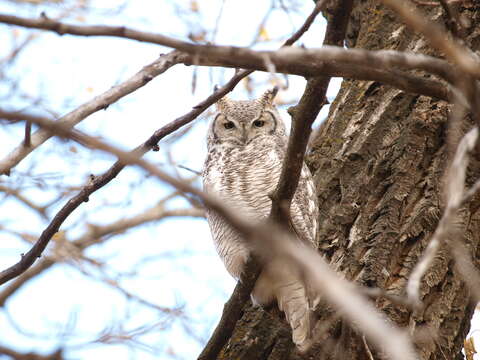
(238, 123)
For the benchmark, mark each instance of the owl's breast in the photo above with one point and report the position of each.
(244, 177)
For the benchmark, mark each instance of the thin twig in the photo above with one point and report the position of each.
(141, 78)
(99, 181)
(95, 235)
(306, 25)
(217, 22)
(62, 28)
(381, 293)
(28, 130)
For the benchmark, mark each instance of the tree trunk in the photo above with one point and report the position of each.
(379, 161)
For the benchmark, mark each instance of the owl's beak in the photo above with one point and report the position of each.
(244, 135)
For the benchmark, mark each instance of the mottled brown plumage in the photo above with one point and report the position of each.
(246, 147)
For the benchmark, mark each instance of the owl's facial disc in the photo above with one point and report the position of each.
(241, 131)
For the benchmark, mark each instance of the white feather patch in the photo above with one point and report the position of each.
(214, 178)
(272, 156)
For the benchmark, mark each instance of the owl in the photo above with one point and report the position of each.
(246, 145)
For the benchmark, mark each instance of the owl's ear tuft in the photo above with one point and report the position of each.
(268, 96)
(222, 103)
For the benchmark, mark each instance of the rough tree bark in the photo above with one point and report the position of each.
(379, 161)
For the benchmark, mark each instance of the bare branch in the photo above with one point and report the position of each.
(320, 4)
(381, 293)
(100, 102)
(14, 53)
(100, 181)
(61, 28)
(287, 56)
(95, 234)
(300, 61)
(57, 355)
(116, 334)
(27, 142)
(303, 116)
(351, 63)
(367, 349)
(332, 61)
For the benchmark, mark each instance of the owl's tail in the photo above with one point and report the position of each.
(285, 285)
(293, 301)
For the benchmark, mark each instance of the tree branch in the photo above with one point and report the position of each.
(384, 71)
(244, 58)
(102, 101)
(57, 355)
(62, 28)
(331, 61)
(306, 25)
(303, 116)
(99, 181)
(95, 235)
(311, 62)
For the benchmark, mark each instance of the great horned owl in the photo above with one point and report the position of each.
(246, 147)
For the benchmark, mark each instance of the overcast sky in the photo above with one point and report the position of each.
(66, 71)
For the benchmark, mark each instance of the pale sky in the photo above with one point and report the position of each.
(67, 71)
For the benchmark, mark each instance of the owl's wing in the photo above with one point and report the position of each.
(304, 210)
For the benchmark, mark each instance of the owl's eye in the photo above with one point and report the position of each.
(229, 125)
(258, 123)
